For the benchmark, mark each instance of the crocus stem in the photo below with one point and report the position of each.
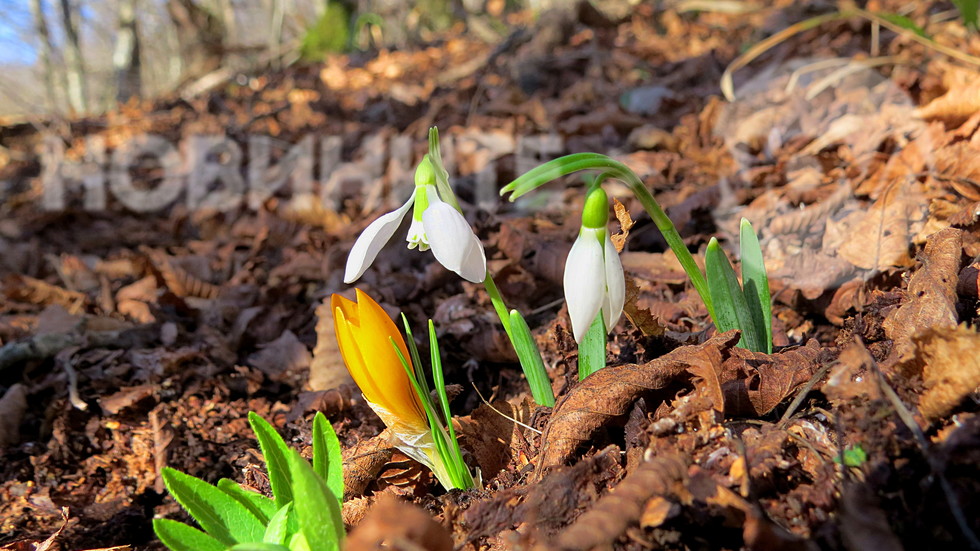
(523, 342)
(592, 349)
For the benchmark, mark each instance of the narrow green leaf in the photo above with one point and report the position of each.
(904, 22)
(221, 515)
(730, 307)
(260, 506)
(259, 546)
(968, 12)
(464, 479)
(530, 357)
(326, 455)
(316, 507)
(413, 349)
(755, 284)
(277, 530)
(592, 349)
(274, 450)
(181, 537)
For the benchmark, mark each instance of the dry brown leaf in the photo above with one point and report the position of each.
(931, 295)
(879, 236)
(754, 383)
(626, 503)
(13, 404)
(949, 361)
(327, 369)
(850, 377)
(610, 393)
(35, 291)
(642, 318)
(282, 358)
(863, 523)
(625, 223)
(958, 104)
(362, 463)
(398, 526)
(489, 434)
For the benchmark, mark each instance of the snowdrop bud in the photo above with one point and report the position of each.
(425, 175)
(595, 212)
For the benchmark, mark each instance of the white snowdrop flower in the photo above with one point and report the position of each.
(594, 278)
(435, 225)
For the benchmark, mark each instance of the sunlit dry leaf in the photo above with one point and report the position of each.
(949, 361)
(625, 223)
(754, 382)
(931, 295)
(609, 393)
(395, 525)
(625, 505)
(642, 318)
(327, 369)
(961, 100)
(363, 462)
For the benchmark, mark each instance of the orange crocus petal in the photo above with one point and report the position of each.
(364, 332)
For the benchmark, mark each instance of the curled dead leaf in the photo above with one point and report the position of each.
(398, 526)
(609, 394)
(931, 295)
(949, 363)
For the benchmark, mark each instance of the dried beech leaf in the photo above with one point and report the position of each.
(642, 318)
(626, 503)
(754, 382)
(958, 104)
(363, 462)
(396, 525)
(625, 223)
(931, 295)
(708, 383)
(950, 367)
(609, 394)
(490, 436)
(327, 369)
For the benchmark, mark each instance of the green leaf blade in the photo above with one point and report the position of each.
(221, 515)
(755, 283)
(316, 507)
(181, 537)
(277, 529)
(327, 461)
(260, 506)
(730, 307)
(531, 362)
(275, 451)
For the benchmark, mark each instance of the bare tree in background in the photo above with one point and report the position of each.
(200, 34)
(126, 57)
(45, 54)
(77, 93)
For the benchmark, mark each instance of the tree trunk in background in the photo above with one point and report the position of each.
(126, 57)
(44, 53)
(201, 36)
(73, 60)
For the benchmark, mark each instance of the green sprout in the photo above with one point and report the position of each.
(303, 515)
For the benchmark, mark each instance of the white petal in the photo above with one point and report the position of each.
(612, 306)
(452, 241)
(372, 239)
(584, 282)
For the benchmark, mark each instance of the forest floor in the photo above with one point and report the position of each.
(131, 341)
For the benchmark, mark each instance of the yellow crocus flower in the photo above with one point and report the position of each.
(364, 332)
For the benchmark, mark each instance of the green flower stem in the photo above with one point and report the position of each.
(585, 161)
(498, 304)
(592, 349)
